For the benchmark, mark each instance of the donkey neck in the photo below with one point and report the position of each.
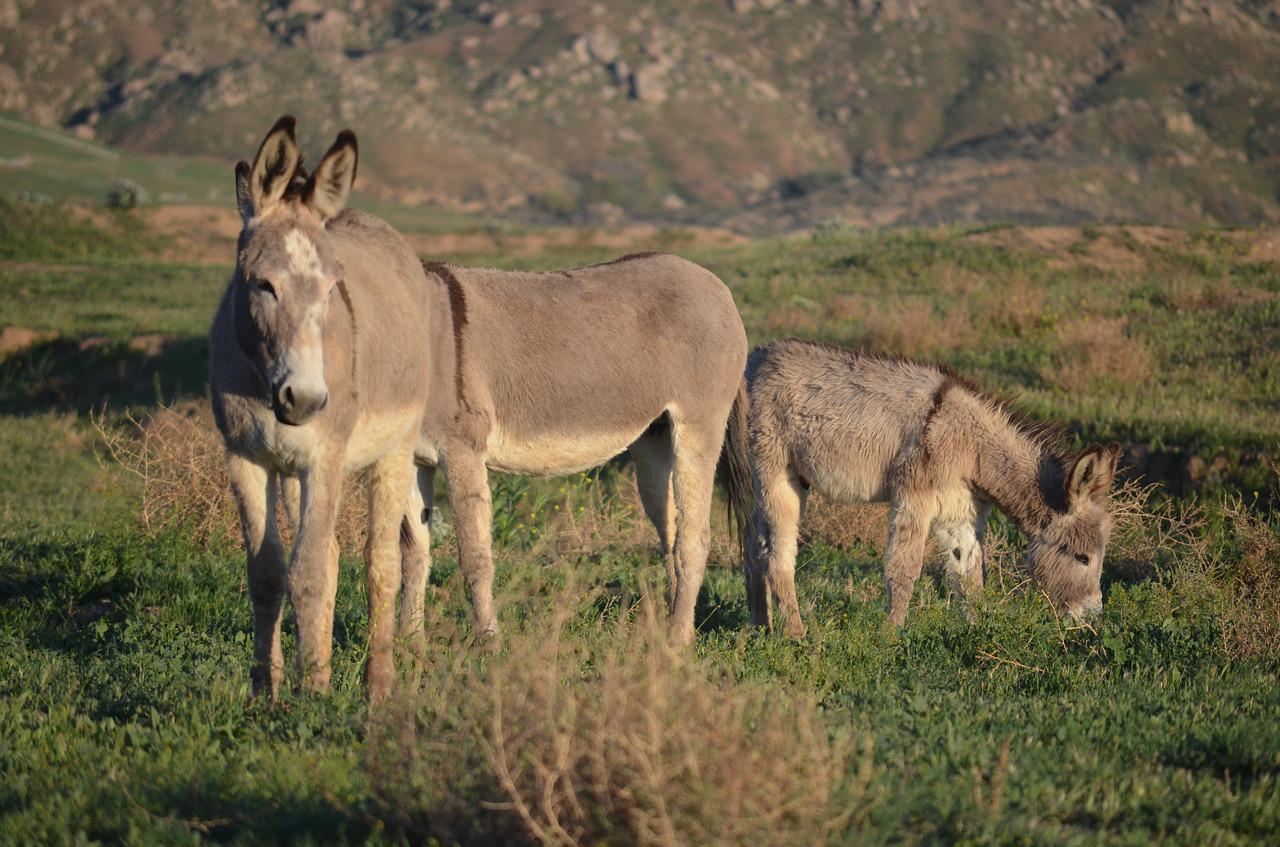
(1012, 467)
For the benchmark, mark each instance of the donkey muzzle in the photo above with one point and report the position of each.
(295, 403)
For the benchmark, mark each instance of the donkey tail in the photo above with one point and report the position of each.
(737, 466)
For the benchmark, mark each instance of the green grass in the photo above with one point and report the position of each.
(123, 675)
(66, 168)
(123, 657)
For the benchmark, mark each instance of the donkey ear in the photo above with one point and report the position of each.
(273, 168)
(1092, 473)
(327, 190)
(244, 198)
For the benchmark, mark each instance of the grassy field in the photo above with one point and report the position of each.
(125, 624)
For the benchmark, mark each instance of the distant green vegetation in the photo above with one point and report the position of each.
(66, 168)
(124, 652)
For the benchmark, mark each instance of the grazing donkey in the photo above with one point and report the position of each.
(863, 427)
(334, 349)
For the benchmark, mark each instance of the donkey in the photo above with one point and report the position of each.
(436, 365)
(863, 427)
(554, 373)
(319, 366)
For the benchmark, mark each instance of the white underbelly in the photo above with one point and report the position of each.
(376, 435)
(554, 455)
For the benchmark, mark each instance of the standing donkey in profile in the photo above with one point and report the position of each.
(334, 349)
(862, 427)
(319, 366)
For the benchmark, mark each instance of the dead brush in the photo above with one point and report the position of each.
(586, 731)
(844, 524)
(1094, 349)
(177, 455)
(1251, 625)
(179, 459)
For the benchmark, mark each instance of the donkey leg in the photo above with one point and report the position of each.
(291, 496)
(415, 557)
(959, 530)
(254, 490)
(313, 573)
(469, 498)
(782, 499)
(909, 521)
(390, 478)
(696, 453)
(961, 553)
(755, 550)
(654, 460)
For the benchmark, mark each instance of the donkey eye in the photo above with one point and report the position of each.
(266, 287)
(1082, 558)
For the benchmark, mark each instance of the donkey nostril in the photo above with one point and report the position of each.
(956, 553)
(288, 395)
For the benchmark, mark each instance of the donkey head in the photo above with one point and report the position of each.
(1065, 554)
(285, 266)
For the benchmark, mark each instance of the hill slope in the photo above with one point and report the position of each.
(762, 113)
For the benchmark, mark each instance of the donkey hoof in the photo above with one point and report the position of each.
(488, 640)
(680, 635)
(795, 630)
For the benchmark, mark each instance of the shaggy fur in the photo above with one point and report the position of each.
(334, 349)
(862, 427)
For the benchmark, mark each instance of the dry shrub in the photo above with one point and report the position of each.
(1014, 308)
(177, 455)
(1251, 627)
(601, 732)
(910, 326)
(1093, 349)
(844, 524)
(790, 320)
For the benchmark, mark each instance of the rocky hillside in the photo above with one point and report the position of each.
(764, 114)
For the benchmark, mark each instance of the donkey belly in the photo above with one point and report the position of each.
(548, 454)
(840, 476)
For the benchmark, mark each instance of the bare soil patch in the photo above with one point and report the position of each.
(14, 339)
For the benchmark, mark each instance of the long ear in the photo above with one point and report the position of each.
(273, 168)
(244, 198)
(1092, 473)
(327, 190)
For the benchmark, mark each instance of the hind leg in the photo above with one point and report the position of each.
(472, 505)
(415, 557)
(782, 499)
(654, 459)
(697, 450)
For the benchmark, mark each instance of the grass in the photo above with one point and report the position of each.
(124, 647)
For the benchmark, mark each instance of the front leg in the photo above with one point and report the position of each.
(255, 493)
(468, 483)
(313, 573)
(387, 486)
(909, 521)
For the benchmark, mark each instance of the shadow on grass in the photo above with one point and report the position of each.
(81, 375)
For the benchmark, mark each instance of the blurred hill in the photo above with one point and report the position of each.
(759, 114)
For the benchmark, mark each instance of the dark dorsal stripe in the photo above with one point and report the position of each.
(457, 316)
(630, 257)
(935, 404)
(351, 312)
